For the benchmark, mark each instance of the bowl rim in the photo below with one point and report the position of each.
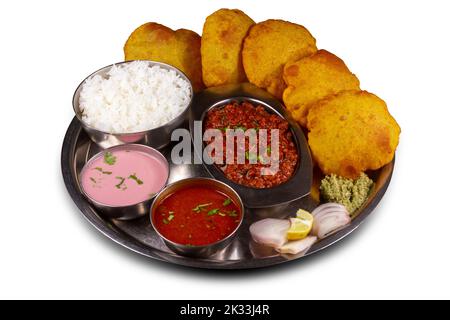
(197, 247)
(76, 107)
(136, 147)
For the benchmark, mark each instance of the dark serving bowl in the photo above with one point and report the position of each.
(205, 250)
(298, 186)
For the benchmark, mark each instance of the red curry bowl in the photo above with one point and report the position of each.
(197, 216)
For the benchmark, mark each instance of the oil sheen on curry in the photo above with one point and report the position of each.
(197, 216)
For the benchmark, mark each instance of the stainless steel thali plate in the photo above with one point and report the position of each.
(138, 235)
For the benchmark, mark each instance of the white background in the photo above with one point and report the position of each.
(400, 51)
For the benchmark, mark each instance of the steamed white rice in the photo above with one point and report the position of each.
(133, 97)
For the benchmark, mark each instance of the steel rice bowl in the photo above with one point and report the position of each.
(157, 138)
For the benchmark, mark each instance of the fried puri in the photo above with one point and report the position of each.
(313, 78)
(223, 34)
(180, 48)
(352, 132)
(269, 46)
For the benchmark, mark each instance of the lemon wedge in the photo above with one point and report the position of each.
(303, 214)
(300, 226)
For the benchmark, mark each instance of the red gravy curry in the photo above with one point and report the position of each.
(197, 216)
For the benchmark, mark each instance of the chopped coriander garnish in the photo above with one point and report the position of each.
(205, 205)
(122, 180)
(201, 207)
(101, 170)
(226, 202)
(213, 212)
(135, 178)
(170, 218)
(93, 180)
(165, 221)
(263, 159)
(251, 156)
(233, 213)
(109, 158)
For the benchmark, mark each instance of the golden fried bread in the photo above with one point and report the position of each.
(352, 132)
(269, 46)
(313, 78)
(181, 48)
(223, 34)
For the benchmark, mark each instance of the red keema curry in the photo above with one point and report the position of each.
(245, 116)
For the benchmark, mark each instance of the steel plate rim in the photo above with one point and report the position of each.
(128, 242)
